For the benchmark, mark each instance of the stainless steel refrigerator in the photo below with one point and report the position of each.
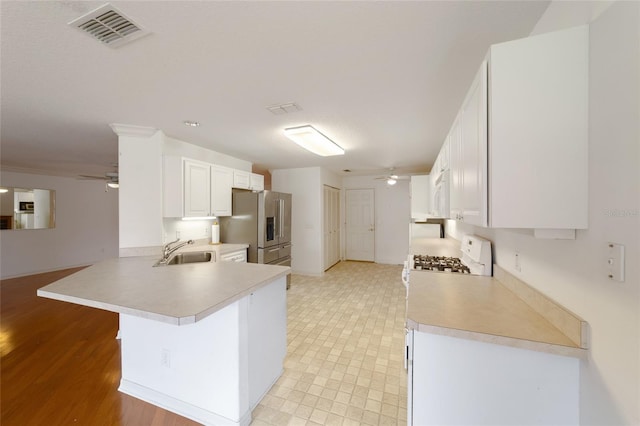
(262, 220)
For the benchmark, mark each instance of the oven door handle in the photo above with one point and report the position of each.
(405, 274)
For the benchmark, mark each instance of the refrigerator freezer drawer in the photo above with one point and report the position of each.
(271, 254)
(268, 255)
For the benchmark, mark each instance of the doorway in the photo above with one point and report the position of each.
(360, 224)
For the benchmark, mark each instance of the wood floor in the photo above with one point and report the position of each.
(60, 363)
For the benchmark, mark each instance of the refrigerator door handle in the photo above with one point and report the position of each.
(281, 213)
(276, 224)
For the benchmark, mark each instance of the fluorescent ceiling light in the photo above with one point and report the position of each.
(314, 141)
(3, 190)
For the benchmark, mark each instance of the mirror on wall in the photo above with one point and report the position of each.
(27, 208)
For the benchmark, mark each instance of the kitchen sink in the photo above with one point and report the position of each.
(189, 257)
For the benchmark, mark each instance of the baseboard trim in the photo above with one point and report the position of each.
(179, 407)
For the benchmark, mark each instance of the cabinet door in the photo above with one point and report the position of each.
(473, 151)
(221, 183)
(420, 194)
(455, 167)
(241, 179)
(539, 131)
(197, 189)
(256, 182)
(444, 156)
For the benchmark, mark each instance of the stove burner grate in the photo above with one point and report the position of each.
(439, 263)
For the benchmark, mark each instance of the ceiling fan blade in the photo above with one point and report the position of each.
(87, 177)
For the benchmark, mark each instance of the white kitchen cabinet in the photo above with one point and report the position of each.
(241, 179)
(468, 150)
(455, 171)
(518, 147)
(420, 197)
(473, 151)
(235, 256)
(221, 197)
(442, 160)
(538, 131)
(256, 182)
(459, 381)
(197, 188)
(194, 188)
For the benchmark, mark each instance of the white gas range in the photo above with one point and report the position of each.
(476, 260)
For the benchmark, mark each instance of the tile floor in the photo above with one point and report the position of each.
(344, 363)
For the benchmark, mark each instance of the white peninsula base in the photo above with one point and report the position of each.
(213, 371)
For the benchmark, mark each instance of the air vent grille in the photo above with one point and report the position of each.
(109, 26)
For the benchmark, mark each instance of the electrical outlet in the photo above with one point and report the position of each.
(178, 235)
(165, 358)
(615, 262)
(517, 263)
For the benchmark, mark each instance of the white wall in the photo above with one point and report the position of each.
(305, 186)
(393, 215)
(140, 176)
(573, 272)
(86, 228)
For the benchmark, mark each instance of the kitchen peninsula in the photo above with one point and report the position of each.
(204, 340)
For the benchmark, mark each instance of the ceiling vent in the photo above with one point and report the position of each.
(284, 108)
(110, 26)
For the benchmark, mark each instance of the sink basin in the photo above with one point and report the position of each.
(190, 257)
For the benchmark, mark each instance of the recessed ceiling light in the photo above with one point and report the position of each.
(191, 123)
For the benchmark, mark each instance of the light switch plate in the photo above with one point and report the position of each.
(615, 262)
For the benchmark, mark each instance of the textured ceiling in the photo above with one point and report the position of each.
(382, 79)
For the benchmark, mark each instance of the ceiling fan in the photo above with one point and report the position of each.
(393, 178)
(111, 178)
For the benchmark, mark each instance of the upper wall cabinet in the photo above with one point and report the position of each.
(196, 189)
(538, 131)
(420, 196)
(442, 161)
(241, 179)
(256, 182)
(197, 186)
(518, 148)
(468, 146)
(246, 180)
(221, 183)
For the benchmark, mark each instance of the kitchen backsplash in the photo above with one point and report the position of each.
(186, 229)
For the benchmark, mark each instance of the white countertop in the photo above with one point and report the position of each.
(482, 308)
(177, 294)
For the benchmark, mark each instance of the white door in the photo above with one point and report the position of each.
(331, 226)
(360, 226)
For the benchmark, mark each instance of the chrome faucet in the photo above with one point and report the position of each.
(167, 250)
